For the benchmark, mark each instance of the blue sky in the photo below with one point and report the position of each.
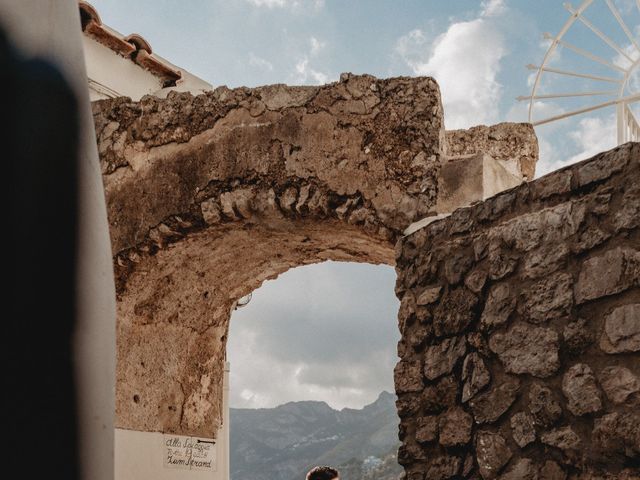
(476, 50)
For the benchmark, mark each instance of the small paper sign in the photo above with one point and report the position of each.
(189, 453)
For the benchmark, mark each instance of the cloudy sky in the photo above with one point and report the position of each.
(328, 332)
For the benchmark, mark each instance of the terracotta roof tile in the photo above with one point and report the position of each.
(133, 46)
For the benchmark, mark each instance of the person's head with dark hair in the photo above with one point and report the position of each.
(323, 473)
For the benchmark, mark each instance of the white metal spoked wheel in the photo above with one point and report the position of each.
(620, 96)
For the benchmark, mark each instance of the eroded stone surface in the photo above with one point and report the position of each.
(510, 144)
(537, 254)
(522, 429)
(580, 388)
(455, 427)
(543, 405)
(427, 429)
(525, 348)
(552, 471)
(408, 377)
(524, 469)
(487, 407)
(547, 299)
(578, 335)
(618, 383)
(441, 358)
(565, 438)
(444, 467)
(622, 330)
(454, 312)
(493, 453)
(618, 432)
(544, 261)
(603, 275)
(475, 374)
(500, 303)
(441, 395)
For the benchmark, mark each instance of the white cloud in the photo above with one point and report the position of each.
(593, 135)
(465, 60)
(259, 62)
(625, 6)
(590, 136)
(492, 8)
(321, 332)
(268, 3)
(633, 85)
(304, 72)
(316, 4)
(316, 45)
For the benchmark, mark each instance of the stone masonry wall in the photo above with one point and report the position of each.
(208, 196)
(520, 321)
(514, 144)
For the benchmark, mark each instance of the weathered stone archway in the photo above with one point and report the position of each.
(209, 196)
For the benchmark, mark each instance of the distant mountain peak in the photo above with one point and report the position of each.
(282, 442)
(386, 396)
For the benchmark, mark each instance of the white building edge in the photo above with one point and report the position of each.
(125, 66)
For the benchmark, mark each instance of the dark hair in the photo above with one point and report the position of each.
(322, 473)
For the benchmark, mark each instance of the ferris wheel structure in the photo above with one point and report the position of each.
(613, 78)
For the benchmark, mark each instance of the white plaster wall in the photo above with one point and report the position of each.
(117, 73)
(51, 29)
(111, 75)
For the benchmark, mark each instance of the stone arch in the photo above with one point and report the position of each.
(208, 196)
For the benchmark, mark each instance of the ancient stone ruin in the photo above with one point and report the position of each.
(520, 320)
(519, 314)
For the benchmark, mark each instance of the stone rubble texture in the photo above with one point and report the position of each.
(500, 302)
(208, 196)
(580, 389)
(550, 292)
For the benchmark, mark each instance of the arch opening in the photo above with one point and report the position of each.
(311, 374)
(180, 300)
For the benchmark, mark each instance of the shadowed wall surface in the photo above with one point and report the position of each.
(520, 322)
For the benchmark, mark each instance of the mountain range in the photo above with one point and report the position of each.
(284, 442)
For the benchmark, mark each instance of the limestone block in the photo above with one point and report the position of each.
(466, 179)
(618, 383)
(544, 407)
(580, 388)
(525, 348)
(489, 406)
(441, 358)
(522, 429)
(492, 452)
(622, 330)
(455, 427)
(606, 274)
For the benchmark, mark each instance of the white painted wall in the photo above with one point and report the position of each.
(51, 29)
(111, 75)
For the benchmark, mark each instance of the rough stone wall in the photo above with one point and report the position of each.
(359, 143)
(208, 196)
(520, 321)
(514, 144)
